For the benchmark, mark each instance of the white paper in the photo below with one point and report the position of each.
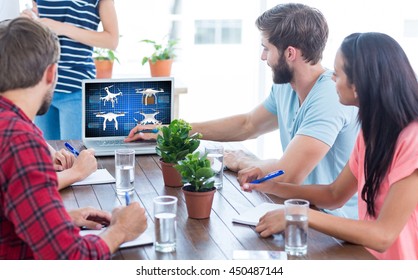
(253, 215)
(100, 176)
(147, 237)
(259, 255)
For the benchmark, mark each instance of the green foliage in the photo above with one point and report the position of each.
(161, 52)
(104, 54)
(174, 143)
(196, 171)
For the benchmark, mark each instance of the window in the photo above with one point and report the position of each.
(218, 32)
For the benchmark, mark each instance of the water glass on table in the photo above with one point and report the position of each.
(215, 154)
(125, 175)
(165, 213)
(296, 232)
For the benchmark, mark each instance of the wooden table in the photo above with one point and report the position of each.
(214, 238)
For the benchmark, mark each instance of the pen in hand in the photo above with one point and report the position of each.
(269, 176)
(127, 200)
(71, 149)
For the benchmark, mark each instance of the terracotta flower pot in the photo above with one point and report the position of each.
(199, 204)
(161, 68)
(104, 69)
(171, 176)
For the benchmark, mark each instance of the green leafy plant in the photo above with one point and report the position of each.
(104, 54)
(196, 171)
(174, 141)
(161, 51)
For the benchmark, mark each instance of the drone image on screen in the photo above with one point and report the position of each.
(110, 117)
(112, 97)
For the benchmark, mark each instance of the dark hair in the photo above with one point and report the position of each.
(27, 48)
(295, 25)
(387, 90)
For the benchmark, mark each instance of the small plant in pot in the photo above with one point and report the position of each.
(199, 188)
(104, 59)
(161, 59)
(173, 144)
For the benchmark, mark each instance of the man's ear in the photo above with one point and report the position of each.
(51, 73)
(291, 53)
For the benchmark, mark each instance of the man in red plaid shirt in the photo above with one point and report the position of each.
(33, 221)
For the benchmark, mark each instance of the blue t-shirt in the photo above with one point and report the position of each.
(322, 117)
(76, 62)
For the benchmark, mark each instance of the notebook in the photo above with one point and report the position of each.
(100, 176)
(146, 238)
(252, 215)
(112, 107)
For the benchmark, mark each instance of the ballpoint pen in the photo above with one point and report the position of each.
(127, 198)
(154, 130)
(268, 176)
(71, 149)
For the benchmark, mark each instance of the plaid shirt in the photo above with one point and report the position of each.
(33, 221)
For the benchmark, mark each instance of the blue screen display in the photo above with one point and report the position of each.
(113, 108)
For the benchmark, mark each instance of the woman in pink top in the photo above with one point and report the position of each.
(373, 73)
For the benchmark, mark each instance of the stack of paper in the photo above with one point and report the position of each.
(253, 215)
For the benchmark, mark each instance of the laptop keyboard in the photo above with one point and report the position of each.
(112, 143)
(120, 142)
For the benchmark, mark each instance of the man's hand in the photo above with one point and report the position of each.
(85, 164)
(137, 134)
(62, 159)
(237, 160)
(90, 218)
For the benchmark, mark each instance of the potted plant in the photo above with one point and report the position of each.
(173, 144)
(104, 59)
(199, 184)
(161, 60)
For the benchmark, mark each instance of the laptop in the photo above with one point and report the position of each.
(112, 107)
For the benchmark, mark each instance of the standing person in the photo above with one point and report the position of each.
(34, 222)
(317, 132)
(76, 24)
(371, 72)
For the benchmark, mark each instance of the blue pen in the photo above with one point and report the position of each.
(127, 198)
(154, 130)
(269, 176)
(71, 149)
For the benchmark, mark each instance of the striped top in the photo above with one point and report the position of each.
(76, 62)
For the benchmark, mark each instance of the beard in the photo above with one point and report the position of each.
(46, 102)
(282, 74)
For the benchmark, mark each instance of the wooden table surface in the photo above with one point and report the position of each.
(211, 239)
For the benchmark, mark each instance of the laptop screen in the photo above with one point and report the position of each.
(111, 108)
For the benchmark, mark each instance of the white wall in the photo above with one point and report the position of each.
(229, 79)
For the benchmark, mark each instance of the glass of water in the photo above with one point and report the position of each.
(296, 232)
(165, 213)
(125, 175)
(215, 154)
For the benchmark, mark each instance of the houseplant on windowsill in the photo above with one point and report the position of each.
(104, 59)
(173, 144)
(199, 184)
(161, 60)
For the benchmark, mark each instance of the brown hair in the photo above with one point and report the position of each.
(295, 25)
(27, 48)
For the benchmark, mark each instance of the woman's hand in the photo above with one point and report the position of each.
(272, 222)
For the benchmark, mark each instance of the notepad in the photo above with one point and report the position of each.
(147, 237)
(253, 215)
(100, 176)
